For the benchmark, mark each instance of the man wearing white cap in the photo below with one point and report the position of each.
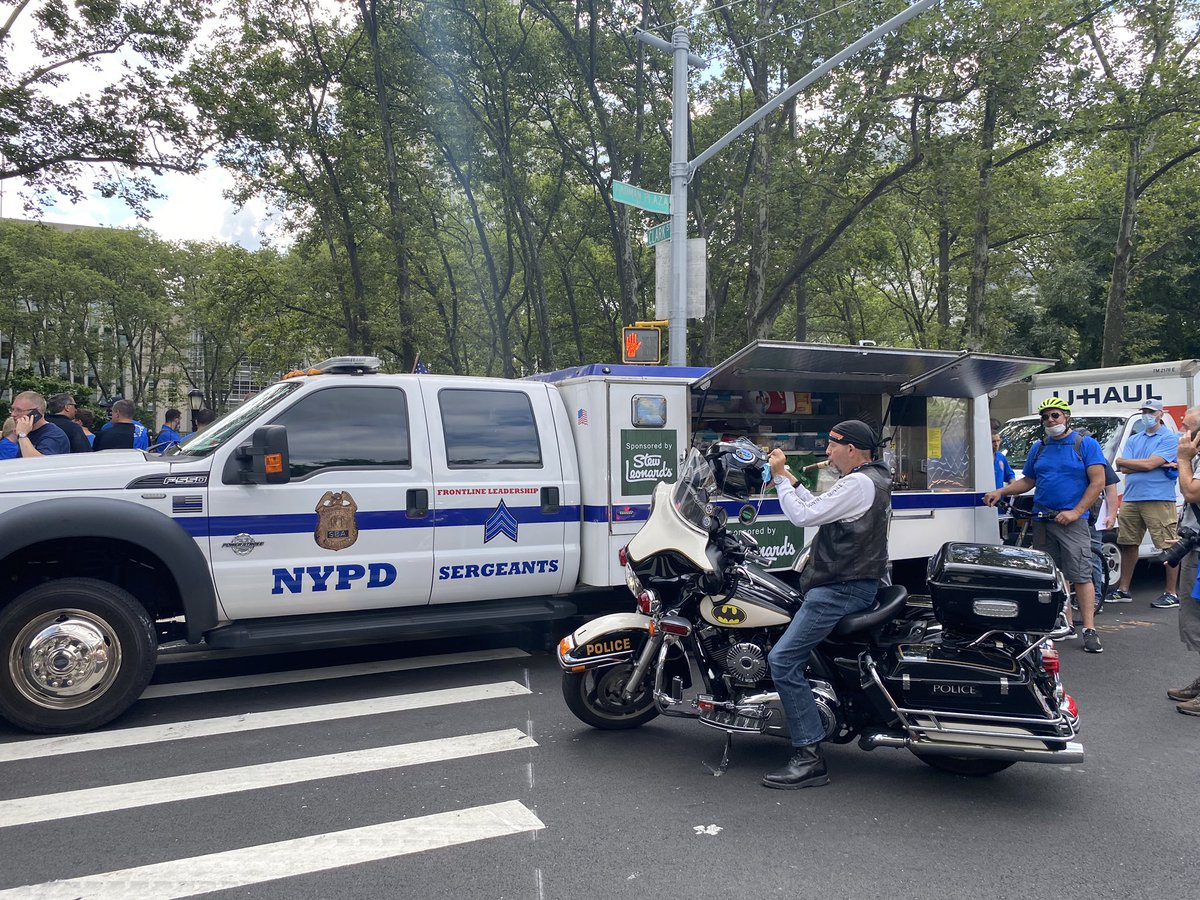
(1149, 500)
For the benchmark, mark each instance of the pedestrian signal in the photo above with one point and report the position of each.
(641, 345)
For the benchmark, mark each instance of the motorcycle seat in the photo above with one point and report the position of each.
(888, 602)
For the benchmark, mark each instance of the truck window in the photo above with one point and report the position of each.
(487, 429)
(649, 411)
(1018, 435)
(348, 427)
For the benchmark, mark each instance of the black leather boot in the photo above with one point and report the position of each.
(806, 768)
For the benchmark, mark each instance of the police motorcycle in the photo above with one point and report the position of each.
(966, 678)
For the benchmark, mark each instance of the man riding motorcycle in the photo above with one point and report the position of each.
(849, 557)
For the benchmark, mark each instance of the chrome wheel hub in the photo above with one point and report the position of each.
(64, 659)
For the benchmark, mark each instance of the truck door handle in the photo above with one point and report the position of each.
(550, 500)
(417, 503)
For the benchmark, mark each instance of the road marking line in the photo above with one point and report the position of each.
(270, 679)
(90, 801)
(301, 856)
(301, 715)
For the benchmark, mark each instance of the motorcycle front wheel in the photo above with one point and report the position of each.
(595, 698)
(964, 765)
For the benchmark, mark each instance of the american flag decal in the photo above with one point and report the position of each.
(581, 416)
(187, 503)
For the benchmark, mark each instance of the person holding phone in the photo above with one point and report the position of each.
(35, 436)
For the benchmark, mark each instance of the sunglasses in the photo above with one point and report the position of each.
(1051, 415)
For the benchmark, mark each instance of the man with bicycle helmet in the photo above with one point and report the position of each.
(1066, 472)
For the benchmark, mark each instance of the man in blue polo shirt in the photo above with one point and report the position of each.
(1066, 471)
(1148, 462)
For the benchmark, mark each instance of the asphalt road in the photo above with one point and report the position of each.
(466, 776)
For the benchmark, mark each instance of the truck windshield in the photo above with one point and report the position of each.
(692, 491)
(1018, 435)
(202, 443)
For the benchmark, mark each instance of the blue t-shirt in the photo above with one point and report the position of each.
(50, 440)
(9, 449)
(1157, 484)
(1061, 476)
(1004, 472)
(166, 438)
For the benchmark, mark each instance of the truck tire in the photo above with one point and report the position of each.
(75, 653)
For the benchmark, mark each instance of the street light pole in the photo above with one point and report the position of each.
(677, 328)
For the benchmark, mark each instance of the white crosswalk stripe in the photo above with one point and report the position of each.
(247, 866)
(71, 804)
(152, 734)
(301, 676)
(301, 856)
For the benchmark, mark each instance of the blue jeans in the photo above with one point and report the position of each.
(823, 607)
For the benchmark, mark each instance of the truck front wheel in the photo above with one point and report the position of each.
(74, 653)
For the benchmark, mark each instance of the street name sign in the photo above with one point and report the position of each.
(651, 201)
(658, 234)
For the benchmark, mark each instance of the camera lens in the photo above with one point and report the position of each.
(1189, 540)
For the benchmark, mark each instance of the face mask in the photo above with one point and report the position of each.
(1057, 430)
(1148, 421)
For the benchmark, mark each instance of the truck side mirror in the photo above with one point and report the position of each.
(265, 459)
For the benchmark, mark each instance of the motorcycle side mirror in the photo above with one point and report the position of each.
(747, 514)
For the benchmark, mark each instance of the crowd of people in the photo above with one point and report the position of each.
(40, 427)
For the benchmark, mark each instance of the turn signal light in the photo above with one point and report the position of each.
(565, 646)
(623, 557)
(644, 601)
(1071, 707)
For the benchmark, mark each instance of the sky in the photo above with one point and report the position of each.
(194, 210)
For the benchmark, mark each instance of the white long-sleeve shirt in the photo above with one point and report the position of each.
(847, 500)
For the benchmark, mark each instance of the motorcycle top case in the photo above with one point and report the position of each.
(988, 587)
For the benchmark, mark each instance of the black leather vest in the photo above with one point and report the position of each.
(844, 551)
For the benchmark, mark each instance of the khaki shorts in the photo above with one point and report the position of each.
(1070, 546)
(1137, 517)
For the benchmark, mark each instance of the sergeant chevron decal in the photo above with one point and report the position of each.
(500, 522)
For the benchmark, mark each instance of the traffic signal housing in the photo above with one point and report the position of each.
(641, 345)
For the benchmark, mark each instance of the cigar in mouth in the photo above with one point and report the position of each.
(817, 465)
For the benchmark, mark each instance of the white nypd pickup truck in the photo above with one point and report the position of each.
(343, 505)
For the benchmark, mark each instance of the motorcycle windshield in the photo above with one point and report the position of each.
(693, 489)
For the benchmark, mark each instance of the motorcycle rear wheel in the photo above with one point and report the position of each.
(595, 698)
(964, 765)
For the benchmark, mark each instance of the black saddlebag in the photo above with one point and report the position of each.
(988, 587)
(952, 678)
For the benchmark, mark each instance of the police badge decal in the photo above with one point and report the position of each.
(337, 526)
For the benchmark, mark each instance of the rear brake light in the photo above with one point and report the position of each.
(1050, 661)
(623, 557)
(1071, 707)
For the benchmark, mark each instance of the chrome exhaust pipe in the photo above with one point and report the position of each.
(1072, 752)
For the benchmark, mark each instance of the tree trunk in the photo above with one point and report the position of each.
(943, 271)
(1114, 312)
(395, 226)
(802, 308)
(983, 208)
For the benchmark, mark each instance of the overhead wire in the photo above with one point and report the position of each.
(794, 25)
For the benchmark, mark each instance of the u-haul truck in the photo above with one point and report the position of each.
(1107, 403)
(343, 504)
